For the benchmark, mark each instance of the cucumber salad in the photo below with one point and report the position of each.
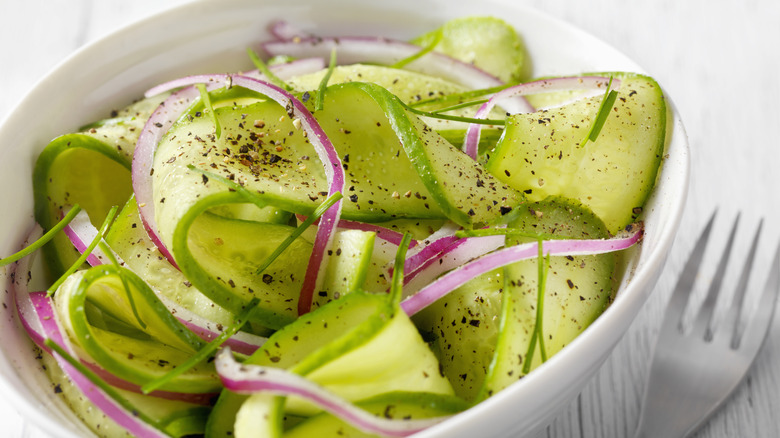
(357, 236)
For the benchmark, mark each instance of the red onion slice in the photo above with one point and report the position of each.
(249, 379)
(432, 246)
(486, 263)
(283, 30)
(143, 159)
(334, 174)
(81, 233)
(28, 306)
(124, 418)
(383, 233)
(462, 251)
(471, 142)
(386, 51)
(285, 70)
(164, 117)
(296, 67)
(40, 321)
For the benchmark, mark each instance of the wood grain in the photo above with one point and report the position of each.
(716, 59)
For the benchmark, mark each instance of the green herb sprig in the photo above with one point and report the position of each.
(607, 102)
(43, 240)
(83, 257)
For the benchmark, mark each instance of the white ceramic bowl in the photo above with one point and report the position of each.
(205, 37)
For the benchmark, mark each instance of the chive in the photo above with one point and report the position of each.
(420, 53)
(29, 249)
(459, 106)
(250, 196)
(319, 211)
(320, 102)
(102, 385)
(397, 282)
(543, 262)
(206, 351)
(453, 118)
(110, 254)
(83, 257)
(204, 96)
(537, 334)
(266, 71)
(607, 102)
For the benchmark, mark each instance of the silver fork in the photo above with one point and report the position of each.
(693, 373)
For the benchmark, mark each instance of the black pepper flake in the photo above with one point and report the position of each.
(205, 179)
(474, 322)
(353, 198)
(322, 293)
(471, 212)
(570, 283)
(274, 158)
(346, 158)
(480, 183)
(267, 278)
(504, 210)
(57, 389)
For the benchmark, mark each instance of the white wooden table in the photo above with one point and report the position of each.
(719, 61)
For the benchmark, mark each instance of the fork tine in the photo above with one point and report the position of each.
(702, 323)
(756, 331)
(679, 299)
(733, 318)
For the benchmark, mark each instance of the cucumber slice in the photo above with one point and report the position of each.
(407, 85)
(250, 212)
(378, 366)
(348, 260)
(577, 290)
(260, 416)
(395, 405)
(463, 326)
(128, 238)
(222, 256)
(410, 87)
(89, 168)
(309, 342)
(125, 297)
(424, 177)
(487, 42)
(462, 189)
(348, 346)
(540, 154)
(176, 418)
(68, 172)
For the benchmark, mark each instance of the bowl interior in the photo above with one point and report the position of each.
(123, 65)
